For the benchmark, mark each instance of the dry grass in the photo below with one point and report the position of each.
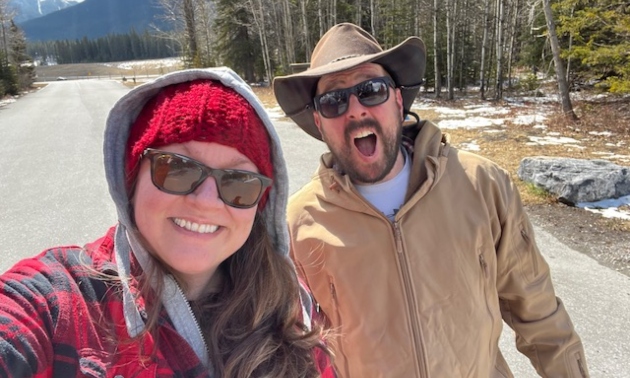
(114, 70)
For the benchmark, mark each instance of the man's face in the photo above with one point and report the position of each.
(365, 140)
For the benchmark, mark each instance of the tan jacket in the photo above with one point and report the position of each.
(425, 295)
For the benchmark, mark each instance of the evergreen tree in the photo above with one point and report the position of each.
(111, 48)
(22, 63)
(8, 77)
(599, 31)
(236, 46)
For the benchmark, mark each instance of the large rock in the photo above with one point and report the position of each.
(576, 180)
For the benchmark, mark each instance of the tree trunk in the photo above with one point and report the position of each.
(498, 94)
(191, 35)
(5, 16)
(307, 39)
(484, 48)
(451, 26)
(288, 33)
(320, 16)
(259, 20)
(436, 50)
(563, 86)
(265, 45)
(373, 17)
(513, 28)
(570, 47)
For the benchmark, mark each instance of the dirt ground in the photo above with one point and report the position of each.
(586, 232)
(607, 241)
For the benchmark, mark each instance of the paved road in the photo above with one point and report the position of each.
(52, 192)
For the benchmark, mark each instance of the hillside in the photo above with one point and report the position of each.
(95, 18)
(29, 9)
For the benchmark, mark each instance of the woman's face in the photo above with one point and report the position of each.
(193, 233)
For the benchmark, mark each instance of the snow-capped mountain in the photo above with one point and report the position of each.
(29, 9)
(96, 18)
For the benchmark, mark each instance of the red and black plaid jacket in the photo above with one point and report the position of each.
(58, 319)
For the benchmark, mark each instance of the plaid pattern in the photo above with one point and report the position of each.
(59, 319)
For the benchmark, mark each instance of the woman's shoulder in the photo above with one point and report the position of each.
(62, 268)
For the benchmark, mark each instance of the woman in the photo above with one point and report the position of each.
(194, 280)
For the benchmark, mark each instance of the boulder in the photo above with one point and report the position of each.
(576, 180)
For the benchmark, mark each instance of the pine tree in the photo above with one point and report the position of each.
(8, 77)
(600, 36)
(237, 47)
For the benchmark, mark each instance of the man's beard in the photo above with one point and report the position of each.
(376, 171)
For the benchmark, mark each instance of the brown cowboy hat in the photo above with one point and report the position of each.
(345, 46)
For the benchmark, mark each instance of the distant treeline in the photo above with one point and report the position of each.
(111, 48)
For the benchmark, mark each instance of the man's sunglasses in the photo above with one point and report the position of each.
(178, 174)
(370, 93)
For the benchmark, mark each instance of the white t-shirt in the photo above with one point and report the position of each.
(388, 196)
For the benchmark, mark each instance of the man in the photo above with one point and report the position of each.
(414, 250)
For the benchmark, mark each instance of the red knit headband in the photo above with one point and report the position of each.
(200, 110)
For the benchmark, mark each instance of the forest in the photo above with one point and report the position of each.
(491, 44)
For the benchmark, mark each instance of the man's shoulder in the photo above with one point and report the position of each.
(301, 197)
(476, 164)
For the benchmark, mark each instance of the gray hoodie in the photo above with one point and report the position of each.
(119, 122)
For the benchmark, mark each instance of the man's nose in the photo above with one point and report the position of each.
(355, 108)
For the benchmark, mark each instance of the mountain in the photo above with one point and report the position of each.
(95, 18)
(29, 9)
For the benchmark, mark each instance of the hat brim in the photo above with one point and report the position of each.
(405, 62)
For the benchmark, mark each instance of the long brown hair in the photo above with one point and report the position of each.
(252, 326)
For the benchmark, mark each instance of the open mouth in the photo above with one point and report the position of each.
(365, 142)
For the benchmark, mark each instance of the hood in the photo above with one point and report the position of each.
(124, 113)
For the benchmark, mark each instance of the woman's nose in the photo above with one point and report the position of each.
(207, 193)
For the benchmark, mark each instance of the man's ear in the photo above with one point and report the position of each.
(399, 102)
(318, 120)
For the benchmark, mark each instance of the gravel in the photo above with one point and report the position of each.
(586, 232)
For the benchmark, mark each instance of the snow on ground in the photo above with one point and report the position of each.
(486, 117)
(469, 123)
(6, 101)
(275, 113)
(470, 146)
(609, 208)
(553, 140)
(136, 64)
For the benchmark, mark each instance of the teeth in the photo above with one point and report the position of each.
(195, 227)
(363, 134)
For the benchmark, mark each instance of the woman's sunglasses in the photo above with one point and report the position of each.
(370, 93)
(178, 174)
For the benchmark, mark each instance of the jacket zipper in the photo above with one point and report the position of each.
(333, 295)
(413, 308)
(192, 314)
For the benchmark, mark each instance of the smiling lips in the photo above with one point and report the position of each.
(365, 142)
(195, 227)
